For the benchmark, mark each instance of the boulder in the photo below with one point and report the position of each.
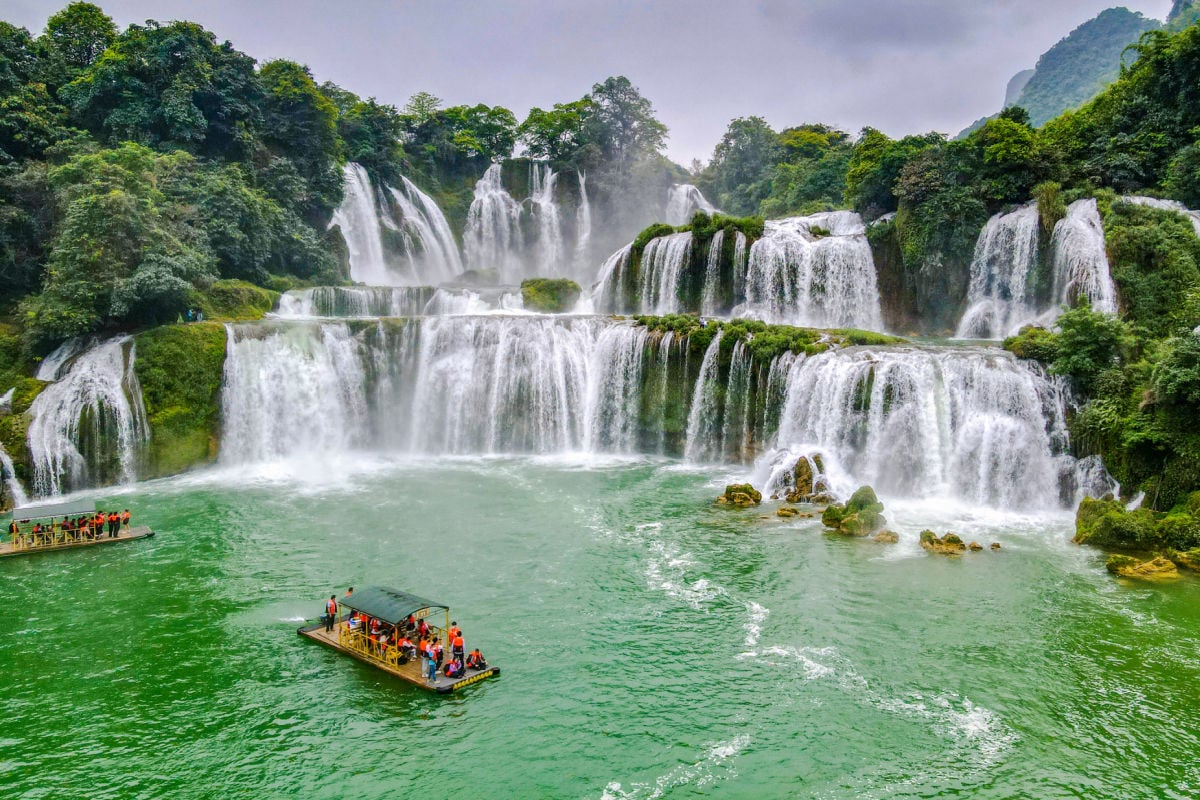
(950, 544)
(805, 479)
(974, 547)
(994, 545)
(1188, 559)
(832, 515)
(786, 511)
(887, 537)
(740, 495)
(822, 499)
(862, 515)
(1157, 568)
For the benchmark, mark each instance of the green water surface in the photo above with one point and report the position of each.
(651, 645)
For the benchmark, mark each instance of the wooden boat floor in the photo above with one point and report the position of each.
(127, 535)
(410, 672)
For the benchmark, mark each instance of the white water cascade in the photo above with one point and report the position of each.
(358, 219)
(1080, 261)
(684, 200)
(430, 252)
(89, 426)
(1000, 298)
(355, 301)
(542, 181)
(607, 293)
(663, 262)
(703, 420)
(437, 385)
(493, 239)
(8, 473)
(970, 423)
(712, 274)
(815, 271)
(583, 227)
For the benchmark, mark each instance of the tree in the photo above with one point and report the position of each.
(741, 162)
(74, 38)
(170, 86)
(1088, 344)
(622, 122)
(560, 135)
(421, 106)
(484, 132)
(874, 168)
(300, 123)
(18, 62)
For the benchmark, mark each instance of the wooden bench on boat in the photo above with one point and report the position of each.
(392, 607)
(52, 535)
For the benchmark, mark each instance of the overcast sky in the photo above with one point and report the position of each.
(903, 66)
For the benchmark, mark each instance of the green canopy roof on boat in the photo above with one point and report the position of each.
(389, 605)
(72, 508)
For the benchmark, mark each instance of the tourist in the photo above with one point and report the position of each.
(423, 629)
(454, 669)
(476, 660)
(330, 613)
(454, 631)
(125, 517)
(13, 530)
(349, 591)
(456, 644)
(437, 649)
(114, 524)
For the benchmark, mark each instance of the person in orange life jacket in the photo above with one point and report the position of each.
(330, 612)
(454, 631)
(114, 524)
(476, 660)
(125, 517)
(430, 663)
(456, 644)
(437, 650)
(454, 669)
(423, 628)
(410, 624)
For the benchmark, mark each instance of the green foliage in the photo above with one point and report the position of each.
(874, 168)
(764, 341)
(653, 232)
(1050, 204)
(74, 38)
(1088, 344)
(1034, 343)
(549, 294)
(1177, 375)
(1155, 261)
(235, 301)
(179, 368)
(300, 124)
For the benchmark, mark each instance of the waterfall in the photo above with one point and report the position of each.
(609, 290)
(972, 423)
(437, 385)
(8, 473)
(684, 200)
(52, 364)
(663, 262)
(1166, 205)
(429, 246)
(740, 263)
(815, 271)
(1080, 260)
(710, 295)
(493, 239)
(583, 226)
(542, 181)
(359, 221)
(1000, 299)
(704, 415)
(356, 301)
(89, 426)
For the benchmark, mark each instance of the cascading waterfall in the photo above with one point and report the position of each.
(1166, 205)
(712, 274)
(703, 417)
(583, 227)
(493, 239)
(355, 301)
(608, 292)
(8, 473)
(542, 181)
(815, 271)
(89, 426)
(972, 423)
(358, 219)
(1080, 261)
(684, 200)
(740, 262)
(1000, 298)
(430, 250)
(53, 364)
(663, 262)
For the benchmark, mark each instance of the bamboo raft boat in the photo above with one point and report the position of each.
(54, 536)
(392, 607)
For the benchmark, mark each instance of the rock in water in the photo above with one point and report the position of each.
(740, 495)
(786, 511)
(950, 544)
(994, 545)
(1188, 559)
(862, 515)
(887, 537)
(806, 478)
(1157, 568)
(974, 547)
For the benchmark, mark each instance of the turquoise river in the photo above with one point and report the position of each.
(652, 646)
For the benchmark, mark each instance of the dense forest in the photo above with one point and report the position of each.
(155, 169)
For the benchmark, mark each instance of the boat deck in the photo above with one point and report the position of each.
(410, 672)
(56, 543)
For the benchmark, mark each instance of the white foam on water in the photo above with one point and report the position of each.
(667, 571)
(714, 766)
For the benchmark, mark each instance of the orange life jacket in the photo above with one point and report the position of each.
(458, 643)
(331, 607)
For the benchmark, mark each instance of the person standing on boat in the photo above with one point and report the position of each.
(330, 613)
(456, 644)
(125, 517)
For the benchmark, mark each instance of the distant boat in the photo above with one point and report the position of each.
(43, 528)
(351, 635)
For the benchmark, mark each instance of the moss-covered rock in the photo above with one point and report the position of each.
(887, 537)
(806, 478)
(179, 368)
(786, 512)
(950, 545)
(14, 426)
(833, 514)
(235, 300)
(1033, 343)
(1157, 568)
(740, 495)
(552, 295)
(1089, 514)
(862, 515)
(1188, 559)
